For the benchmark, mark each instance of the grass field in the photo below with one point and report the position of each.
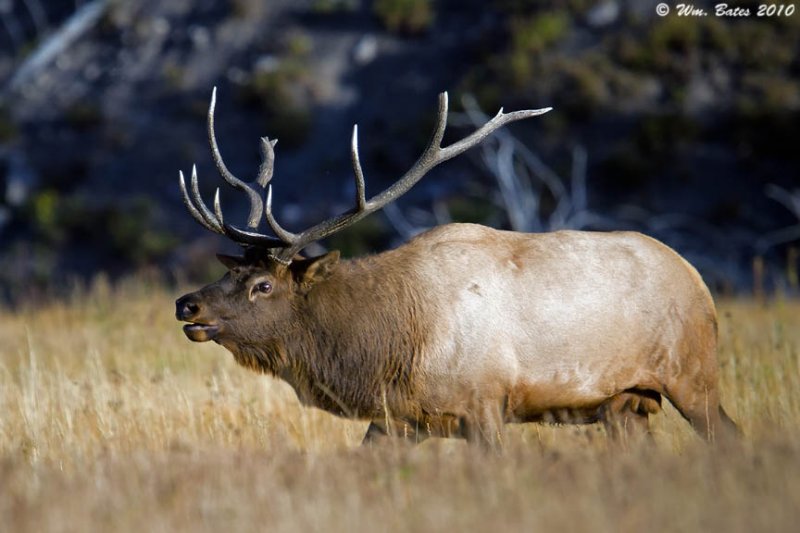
(111, 420)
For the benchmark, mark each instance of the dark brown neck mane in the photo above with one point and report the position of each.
(353, 344)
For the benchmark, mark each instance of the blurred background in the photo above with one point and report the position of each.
(685, 128)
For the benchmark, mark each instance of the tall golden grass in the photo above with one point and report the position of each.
(111, 420)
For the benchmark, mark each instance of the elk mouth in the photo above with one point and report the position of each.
(198, 332)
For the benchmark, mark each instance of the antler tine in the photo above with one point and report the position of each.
(268, 161)
(196, 206)
(256, 203)
(361, 200)
(214, 220)
(187, 201)
(433, 155)
(210, 217)
(209, 220)
(251, 238)
(218, 208)
(441, 123)
(287, 237)
(499, 120)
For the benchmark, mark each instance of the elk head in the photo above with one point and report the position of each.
(254, 301)
(260, 294)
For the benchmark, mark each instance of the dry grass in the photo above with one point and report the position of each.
(111, 420)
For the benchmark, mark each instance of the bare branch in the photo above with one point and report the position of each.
(13, 29)
(789, 200)
(38, 15)
(83, 20)
(399, 221)
(578, 186)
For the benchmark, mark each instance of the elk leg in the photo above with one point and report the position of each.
(692, 386)
(704, 412)
(377, 432)
(626, 415)
(484, 426)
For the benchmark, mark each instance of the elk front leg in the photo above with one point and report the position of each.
(484, 426)
(377, 432)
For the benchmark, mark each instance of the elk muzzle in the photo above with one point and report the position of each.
(199, 328)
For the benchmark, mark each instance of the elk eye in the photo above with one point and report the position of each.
(264, 287)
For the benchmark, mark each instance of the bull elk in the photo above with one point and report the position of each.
(464, 328)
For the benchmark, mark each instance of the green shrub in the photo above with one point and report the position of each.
(243, 9)
(585, 88)
(173, 75)
(280, 95)
(529, 39)
(132, 234)
(536, 34)
(325, 7)
(128, 231)
(405, 16)
(760, 48)
(676, 34)
(719, 37)
(45, 210)
(298, 45)
(291, 125)
(768, 93)
(8, 130)
(283, 91)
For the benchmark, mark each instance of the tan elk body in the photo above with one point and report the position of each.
(464, 328)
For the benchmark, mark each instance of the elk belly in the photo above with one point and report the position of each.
(560, 397)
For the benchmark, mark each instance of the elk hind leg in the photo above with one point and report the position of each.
(693, 385)
(701, 408)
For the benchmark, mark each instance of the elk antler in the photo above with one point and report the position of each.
(286, 244)
(214, 221)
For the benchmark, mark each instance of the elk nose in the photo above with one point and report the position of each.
(185, 308)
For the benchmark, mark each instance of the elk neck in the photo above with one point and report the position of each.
(354, 340)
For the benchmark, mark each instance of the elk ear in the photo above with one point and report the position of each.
(230, 261)
(310, 271)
